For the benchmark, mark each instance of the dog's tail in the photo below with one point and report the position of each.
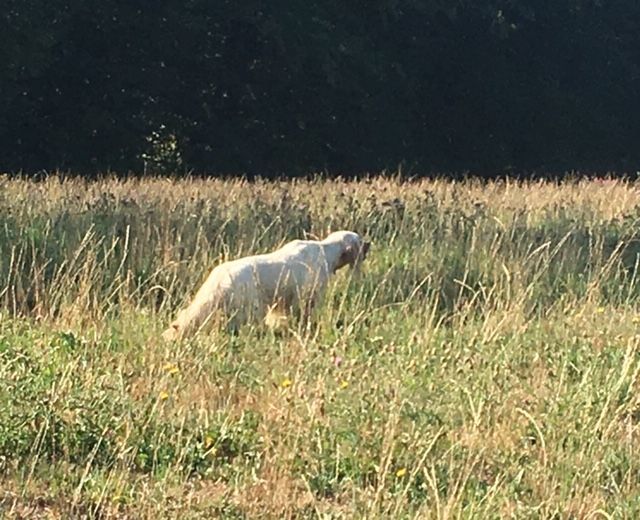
(172, 333)
(194, 317)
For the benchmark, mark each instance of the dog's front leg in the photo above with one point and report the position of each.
(309, 307)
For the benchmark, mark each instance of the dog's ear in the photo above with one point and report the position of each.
(347, 257)
(353, 254)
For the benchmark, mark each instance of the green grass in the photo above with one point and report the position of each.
(484, 365)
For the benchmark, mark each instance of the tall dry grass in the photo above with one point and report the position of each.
(484, 365)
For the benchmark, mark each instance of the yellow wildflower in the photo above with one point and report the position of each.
(401, 472)
(170, 368)
(344, 384)
(286, 383)
(163, 395)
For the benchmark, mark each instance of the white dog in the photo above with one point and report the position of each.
(289, 279)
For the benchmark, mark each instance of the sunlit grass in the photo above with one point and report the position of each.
(484, 364)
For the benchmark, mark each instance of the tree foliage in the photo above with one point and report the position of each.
(274, 87)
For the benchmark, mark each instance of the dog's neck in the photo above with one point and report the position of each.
(333, 252)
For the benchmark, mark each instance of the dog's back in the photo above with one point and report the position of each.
(283, 273)
(246, 288)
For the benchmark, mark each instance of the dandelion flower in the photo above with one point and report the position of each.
(163, 395)
(401, 472)
(286, 383)
(344, 384)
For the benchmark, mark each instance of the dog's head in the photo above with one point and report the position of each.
(353, 249)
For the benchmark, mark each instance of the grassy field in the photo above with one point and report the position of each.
(484, 365)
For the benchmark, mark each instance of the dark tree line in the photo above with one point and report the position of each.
(274, 87)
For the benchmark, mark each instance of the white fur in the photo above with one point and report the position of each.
(290, 279)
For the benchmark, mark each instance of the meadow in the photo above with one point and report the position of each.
(484, 364)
